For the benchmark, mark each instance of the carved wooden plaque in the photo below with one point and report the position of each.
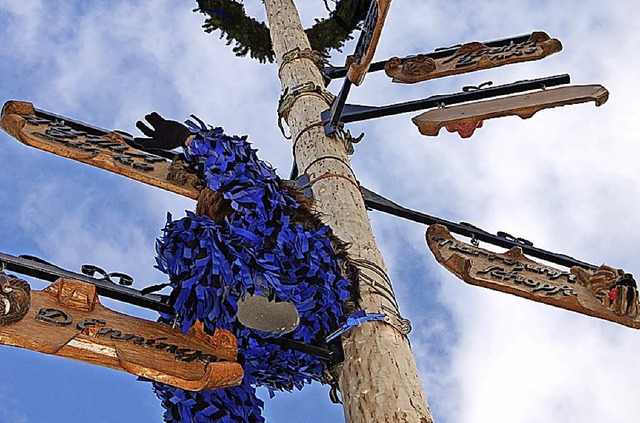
(108, 152)
(358, 64)
(465, 118)
(469, 58)
(66, 319)
(579, 290)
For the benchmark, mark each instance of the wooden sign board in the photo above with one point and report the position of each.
(358, 64)
(579, 290)
(469, 58)
(108, 152)
(465, 118)
(66, 319)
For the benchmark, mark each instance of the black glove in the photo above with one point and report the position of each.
(165, 135)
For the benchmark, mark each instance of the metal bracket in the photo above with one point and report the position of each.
(375, 201)
(314, 56)
(40, 269)
(289, 97)
(333, 116)
(341, 113)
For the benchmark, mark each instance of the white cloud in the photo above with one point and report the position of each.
(565, 179)
(10, 410)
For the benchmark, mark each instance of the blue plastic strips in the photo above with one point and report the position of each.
(256, 249)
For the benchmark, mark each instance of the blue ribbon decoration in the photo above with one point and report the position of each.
(255, 249)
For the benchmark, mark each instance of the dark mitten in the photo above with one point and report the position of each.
(625, 296)
(165, 135)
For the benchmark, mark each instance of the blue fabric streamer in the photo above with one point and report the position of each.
(355, 319)
(255, 249)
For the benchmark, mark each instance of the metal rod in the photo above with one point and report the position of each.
(323, 353)
(355, 113)
(49, 272)
(333, 72)
(377, 202)
(338, 105)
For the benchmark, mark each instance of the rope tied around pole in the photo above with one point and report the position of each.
(361, 316)
(289, 98)
(323, 158)
(330, 175)
(392, 315)
(296, 53)
(305, 130)
(347, 139)
(353, 320)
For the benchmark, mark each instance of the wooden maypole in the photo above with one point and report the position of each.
(379, 379)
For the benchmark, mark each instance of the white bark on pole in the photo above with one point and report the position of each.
(379, 379)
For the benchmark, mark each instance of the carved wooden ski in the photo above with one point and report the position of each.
(606, 293)
(358, 64)
(465, 118)
(102, 149)
(67, 320)
(470, 57)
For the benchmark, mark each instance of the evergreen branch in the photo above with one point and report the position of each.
(250, 37)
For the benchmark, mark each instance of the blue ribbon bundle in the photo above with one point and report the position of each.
(255, 249)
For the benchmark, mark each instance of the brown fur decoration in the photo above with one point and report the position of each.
(181, 172)
(15, 298)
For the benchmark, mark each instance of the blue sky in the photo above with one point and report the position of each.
(565, 179)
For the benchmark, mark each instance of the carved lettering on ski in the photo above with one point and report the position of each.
(107, 151)
(514, 273)
(469, 58)
(82, 329)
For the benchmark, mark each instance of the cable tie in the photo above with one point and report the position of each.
(354, 319)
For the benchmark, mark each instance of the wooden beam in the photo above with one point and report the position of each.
(67, 320)
(470, 57)
(470, 115)
(605, 293)
(358, 63)
(107, 151)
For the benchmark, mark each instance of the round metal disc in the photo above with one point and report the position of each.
(257, 312)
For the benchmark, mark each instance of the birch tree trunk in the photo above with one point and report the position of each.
(379, 379)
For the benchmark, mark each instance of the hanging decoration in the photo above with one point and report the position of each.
(252, 37)
(251, 234)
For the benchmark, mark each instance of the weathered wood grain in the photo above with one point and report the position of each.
(514, 273)
(67, 320)
(464, 117)
(470, 57)
(358, 64)
(108, 152)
